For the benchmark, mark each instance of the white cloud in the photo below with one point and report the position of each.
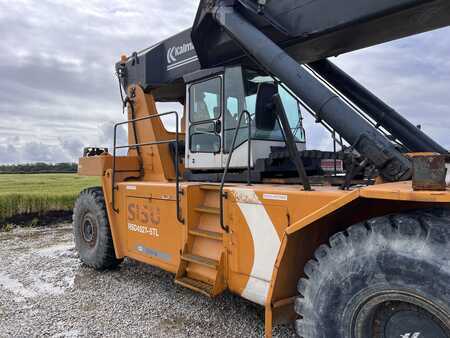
(58, 89)
(57, 86)
(412, 75)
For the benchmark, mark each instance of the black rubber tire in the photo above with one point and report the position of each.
(97, 251)
(397, 256)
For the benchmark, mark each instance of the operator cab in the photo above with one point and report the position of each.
(215, 99)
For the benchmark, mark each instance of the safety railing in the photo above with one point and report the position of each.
(137, 145)
(227, 166)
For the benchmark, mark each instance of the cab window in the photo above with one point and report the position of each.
(205, 100)
(205, 110)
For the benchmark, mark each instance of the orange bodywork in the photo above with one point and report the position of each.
(274, 229)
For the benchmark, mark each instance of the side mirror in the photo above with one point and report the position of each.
(265, 117)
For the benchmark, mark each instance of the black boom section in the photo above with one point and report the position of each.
(332, 109)
(411, 136)
(308, 30)
(162, 66)
(311, 30)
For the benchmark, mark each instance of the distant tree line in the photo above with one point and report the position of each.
(32, 168)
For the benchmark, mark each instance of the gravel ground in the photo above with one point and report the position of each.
(46, 291)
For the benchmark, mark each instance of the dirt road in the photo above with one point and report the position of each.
(46, 291)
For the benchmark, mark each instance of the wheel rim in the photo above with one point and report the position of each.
(89, 230)
(396, 314)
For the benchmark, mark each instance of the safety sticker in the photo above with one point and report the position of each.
(275, 197)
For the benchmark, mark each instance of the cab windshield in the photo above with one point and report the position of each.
(241, 89)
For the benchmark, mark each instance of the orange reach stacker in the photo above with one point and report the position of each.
(347, 243)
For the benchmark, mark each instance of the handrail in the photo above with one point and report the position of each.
(177, 169)
(230, 154)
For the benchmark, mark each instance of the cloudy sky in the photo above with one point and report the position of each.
(58, 90)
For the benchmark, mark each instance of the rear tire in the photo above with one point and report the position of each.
(92, 232)
(386, 278)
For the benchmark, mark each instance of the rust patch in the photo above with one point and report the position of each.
(429, 172)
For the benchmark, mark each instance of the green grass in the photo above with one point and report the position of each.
(40, 193)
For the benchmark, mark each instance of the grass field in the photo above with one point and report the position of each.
(40, 193)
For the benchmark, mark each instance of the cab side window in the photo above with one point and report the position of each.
(205, 100)
(205, 110)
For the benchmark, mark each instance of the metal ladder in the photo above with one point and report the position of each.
(202, 262)
(202, 270)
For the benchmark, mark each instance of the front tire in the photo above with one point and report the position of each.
(386, 278)
(92, 232)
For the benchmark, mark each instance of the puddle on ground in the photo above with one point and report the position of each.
(16, 287)
(40, 268)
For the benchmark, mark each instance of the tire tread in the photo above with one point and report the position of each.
(428, 225)
(105, 257)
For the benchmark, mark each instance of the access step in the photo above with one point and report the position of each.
(195, 285)
(208, 262)
(208, 210)
(206, 234)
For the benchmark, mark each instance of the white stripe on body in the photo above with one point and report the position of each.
(266, 244)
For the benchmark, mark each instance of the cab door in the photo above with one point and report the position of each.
(204, 125)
